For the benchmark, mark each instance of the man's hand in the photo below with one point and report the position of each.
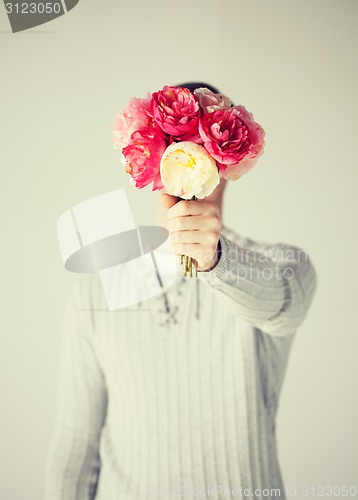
(194, 228)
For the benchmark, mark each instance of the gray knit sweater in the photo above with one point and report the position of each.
(176, 397)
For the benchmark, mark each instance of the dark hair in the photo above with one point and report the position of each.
(196, 85)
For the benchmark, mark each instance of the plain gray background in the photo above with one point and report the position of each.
(293, 64)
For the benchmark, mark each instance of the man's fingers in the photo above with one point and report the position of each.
(168, 200)
(189, 207)
(186, 223)
(186, 237)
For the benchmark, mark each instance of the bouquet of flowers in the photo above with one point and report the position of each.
(185, 141)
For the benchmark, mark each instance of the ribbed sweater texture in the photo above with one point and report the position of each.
(176, 397)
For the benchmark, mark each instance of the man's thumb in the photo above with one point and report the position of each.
(168, 200)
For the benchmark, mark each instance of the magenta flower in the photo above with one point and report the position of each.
(233, 139)
(143, 155)
(176, 111)
(136, 116)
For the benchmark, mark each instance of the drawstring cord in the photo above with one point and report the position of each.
(171, 311)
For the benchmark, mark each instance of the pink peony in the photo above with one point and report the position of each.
(177, 113)
(210, 102)
(136, 116)
(233, 139)
(233, 172)
(143, 155)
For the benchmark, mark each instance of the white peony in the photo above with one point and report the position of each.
(210, 102)
(187, 170)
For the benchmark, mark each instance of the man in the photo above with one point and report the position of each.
(177, 398)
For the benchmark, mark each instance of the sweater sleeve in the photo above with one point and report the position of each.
(269, 286)
(73, 462)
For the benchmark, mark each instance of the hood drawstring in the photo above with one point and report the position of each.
(170, 311)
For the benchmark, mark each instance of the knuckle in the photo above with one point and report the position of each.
(213, 224)
(218, 224)
(213, 239)
(214, 208)
(184, 206)
(216, 221)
